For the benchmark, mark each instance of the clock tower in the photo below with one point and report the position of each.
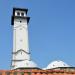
(21, 54)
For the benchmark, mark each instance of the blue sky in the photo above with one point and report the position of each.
(51, 31)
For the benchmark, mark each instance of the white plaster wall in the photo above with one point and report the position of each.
(20, 42)
(22, 39)
(25, 63)
(22, 56)
(20, 36)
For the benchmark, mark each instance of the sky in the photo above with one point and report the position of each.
(51, 31)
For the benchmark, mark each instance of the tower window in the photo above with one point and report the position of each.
(18, 14)
(22, 14)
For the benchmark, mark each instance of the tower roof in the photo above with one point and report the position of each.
(21, 9)
(56, 64)
(26, 64)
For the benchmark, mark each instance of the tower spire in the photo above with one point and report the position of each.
(21, 54)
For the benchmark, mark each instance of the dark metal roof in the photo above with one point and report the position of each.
(63, 68)
(22, 68)
(21, 9)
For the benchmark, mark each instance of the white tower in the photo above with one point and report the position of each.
(20, 55)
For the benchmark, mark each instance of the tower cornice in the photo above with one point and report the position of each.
(20, 51)
(19, 17)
